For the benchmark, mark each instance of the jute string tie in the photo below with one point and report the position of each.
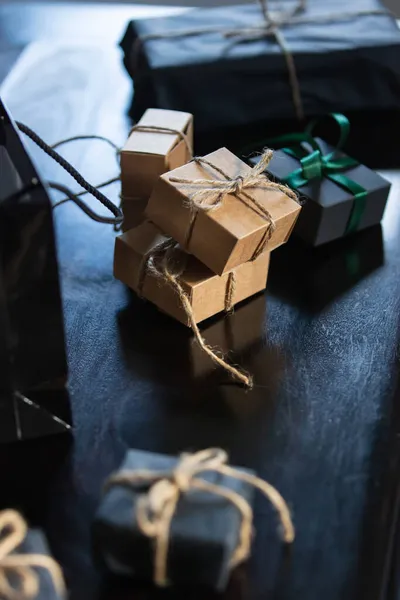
(166, 261)
(13, 531)
(155, 129)
(156, 508)
(272, 24)
(211, 194)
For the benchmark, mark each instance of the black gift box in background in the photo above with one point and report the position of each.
(204, 530)
(238, 89)
(33, 368)
(328, 207)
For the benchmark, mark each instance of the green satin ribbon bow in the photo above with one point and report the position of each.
(315, 165)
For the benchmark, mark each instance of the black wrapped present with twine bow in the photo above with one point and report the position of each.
(241, 68)
(184, 520)
(27, 571)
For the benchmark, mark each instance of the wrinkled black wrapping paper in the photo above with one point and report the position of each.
(36, 543)
(239, 91)
(32, 351)
(326, 205)
(204, 530)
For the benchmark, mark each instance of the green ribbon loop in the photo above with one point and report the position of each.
(315, 165)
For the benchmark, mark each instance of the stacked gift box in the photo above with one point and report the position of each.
(209, 226)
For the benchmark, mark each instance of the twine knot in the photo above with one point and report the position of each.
(20, 568)
(156, 508)
(209, 194)
(237, 184)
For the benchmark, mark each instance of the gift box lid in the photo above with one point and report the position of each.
(325, 191)
(158, 143)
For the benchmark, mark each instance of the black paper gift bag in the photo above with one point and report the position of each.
(33, 400)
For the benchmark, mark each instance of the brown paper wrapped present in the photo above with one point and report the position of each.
(222, 211)
(208, 293)
(155, 267)
(134, 212)
(161, 141)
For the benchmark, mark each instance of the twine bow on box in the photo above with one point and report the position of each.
(159, 506)
(19, 579)
(314, 165)
(209, 194)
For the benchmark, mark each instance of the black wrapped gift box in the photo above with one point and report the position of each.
(204, 529)
(327, 207)
(33, 368)
(239, 88)
(36, 543)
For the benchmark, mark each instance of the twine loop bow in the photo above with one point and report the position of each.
(157, 507)
(314, 164)
(18, 577)
(210, 193)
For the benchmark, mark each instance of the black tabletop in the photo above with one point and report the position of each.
(323, 421)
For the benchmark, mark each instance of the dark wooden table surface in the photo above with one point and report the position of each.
(323, 422)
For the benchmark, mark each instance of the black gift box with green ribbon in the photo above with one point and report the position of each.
(340, 195)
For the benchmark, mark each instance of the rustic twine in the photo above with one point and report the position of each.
(156, 508)
(212, 192)
(156, 129)
(160, 262)
(13, 531)
(270, 27)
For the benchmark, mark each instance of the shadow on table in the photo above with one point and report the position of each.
(242, 584)
(28, 471)
(159, 349)
(312, 278)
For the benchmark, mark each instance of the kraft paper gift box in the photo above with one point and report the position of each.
(133, 210)
(204, 530)
(330, 211)
(335, 44)
(230, 234)
(148, 154)
(207, 292)
(33, 366)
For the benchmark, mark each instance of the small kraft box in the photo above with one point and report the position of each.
(208, 293)
(162, 140)
(341, 196)
(29, 560)
(179, 521)
(221, 211)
